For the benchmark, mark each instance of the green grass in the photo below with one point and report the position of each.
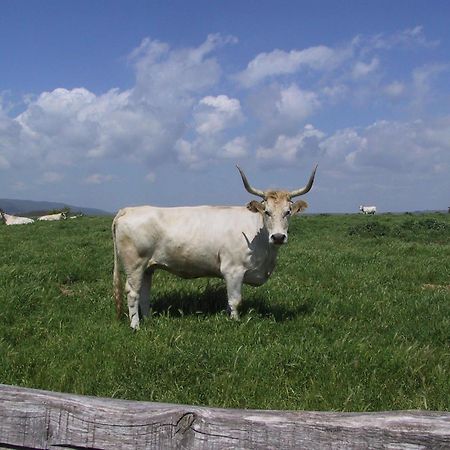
(355, 318)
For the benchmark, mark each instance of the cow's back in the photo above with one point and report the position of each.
(188, 241)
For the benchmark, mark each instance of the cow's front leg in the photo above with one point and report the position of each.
(234, 287)
(144, 295)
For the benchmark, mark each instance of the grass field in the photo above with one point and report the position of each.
(355, 318)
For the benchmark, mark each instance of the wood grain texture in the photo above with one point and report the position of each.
(36, 419)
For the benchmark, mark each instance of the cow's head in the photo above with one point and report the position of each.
(277, 207)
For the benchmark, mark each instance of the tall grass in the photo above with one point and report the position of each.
(355, 318)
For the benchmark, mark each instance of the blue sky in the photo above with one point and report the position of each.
(115, 103)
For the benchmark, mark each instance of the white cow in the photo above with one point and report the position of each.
(52, 217)
(14, 220)
(238, 243)
(368, 209)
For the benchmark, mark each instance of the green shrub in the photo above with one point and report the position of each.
(427, 229)
(424, 224)
(369, 229)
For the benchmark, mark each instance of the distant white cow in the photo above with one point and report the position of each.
(368, 209)
(14, 220)
(237, 243)
(52, 217)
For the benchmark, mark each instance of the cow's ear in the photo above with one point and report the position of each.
(299, 206)
(255, 206)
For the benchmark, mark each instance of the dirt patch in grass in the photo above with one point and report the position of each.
(436, 287)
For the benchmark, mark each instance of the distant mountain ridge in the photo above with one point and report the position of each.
(17, 207)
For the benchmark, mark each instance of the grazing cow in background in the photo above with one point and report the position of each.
(14, 220)
(368, 209)
(52, 217)
(237, 243)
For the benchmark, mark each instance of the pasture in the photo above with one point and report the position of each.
(356, 317)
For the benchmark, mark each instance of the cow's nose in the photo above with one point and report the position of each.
(278, 238)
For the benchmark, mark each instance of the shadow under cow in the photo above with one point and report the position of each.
(213, 300)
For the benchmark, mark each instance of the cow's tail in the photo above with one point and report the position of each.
(117, 280)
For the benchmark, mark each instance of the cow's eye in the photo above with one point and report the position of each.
(268, 213)
(287, 213)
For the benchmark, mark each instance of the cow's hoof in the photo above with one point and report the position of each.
(232, 313)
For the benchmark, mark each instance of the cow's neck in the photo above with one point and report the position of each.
(262, 243)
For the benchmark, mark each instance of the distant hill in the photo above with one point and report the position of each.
(32, 208)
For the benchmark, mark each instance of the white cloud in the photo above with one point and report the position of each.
(380, 150)
(52, 132)
(214, 114)
(166, 76)
(64, 127)
(415, 147)
(296, 104)
(394, 89)
(334, 92)
(280, 62)
(341, 144)
(236, 148)
(325, 59)
(213, 118)
(408, 38)
(10, 149)
(362, 69)
(423, 79)
(282, 109)
(186, 153)
(97, 178)
(290, 149)
(208, 149)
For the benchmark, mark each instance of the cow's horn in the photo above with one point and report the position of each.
(306, 188)
(247, 185)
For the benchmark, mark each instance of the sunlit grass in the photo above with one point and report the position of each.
(356, 317)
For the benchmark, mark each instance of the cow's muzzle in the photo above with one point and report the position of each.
(278, 238)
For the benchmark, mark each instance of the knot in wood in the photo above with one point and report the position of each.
(184, 423)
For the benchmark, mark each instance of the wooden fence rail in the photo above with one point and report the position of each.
(35, 419)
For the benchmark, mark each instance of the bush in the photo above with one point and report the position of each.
(421, 228)
(427, 229)
(369, 229)
(431, 224)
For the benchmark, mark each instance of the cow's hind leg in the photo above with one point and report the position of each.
(234, 287)
(144, 296)
(133, 290)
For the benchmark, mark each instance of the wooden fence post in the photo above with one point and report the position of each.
(36, 419)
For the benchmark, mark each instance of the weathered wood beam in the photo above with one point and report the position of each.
(36, 419)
